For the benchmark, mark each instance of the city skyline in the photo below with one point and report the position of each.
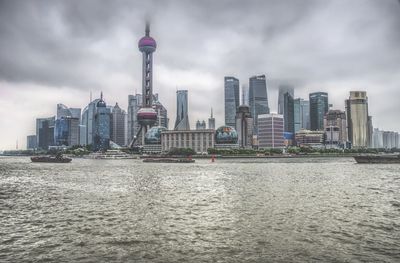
(74, 59)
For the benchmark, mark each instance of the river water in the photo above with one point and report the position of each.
(240, 210)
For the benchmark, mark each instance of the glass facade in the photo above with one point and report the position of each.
(318, 108)
(182, 118)
(258, 98)
(231, 94)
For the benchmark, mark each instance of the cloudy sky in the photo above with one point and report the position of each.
(58, 51)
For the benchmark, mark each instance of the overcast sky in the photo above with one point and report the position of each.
(58, 51)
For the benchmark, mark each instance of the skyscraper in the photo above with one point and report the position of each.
(270, 131)
(147, 116)
(87, 127)
(231, 93)
(258, 98)
(66, 131)
(101, 140)
(45, 132)
(182, 118)
(318, 108)
(117, 127)
(133, 126)
(31, 142)
(335, 128)
(301, 114)
(211, 121)
(288, 112)
(162, 113)
(357, 119)
(244, 126)
(282, 90)
(64, 111)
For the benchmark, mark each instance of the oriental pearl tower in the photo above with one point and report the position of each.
(147, 116)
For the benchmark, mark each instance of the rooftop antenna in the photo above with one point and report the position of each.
(16, 146)
(90, 96)
(147, 28)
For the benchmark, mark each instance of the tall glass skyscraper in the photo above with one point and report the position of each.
(211, 121)
(288, 112)
(117, 128)
(318, 108)
(258, 98)
(358, 121)
(87, 127)
(45, 132)
(102, 126)
(282, 90)
(231, 93)
(182, 118)
(301, 114)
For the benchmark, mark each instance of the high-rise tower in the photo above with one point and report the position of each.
(182, 118)
(147, 116)
(231, 94)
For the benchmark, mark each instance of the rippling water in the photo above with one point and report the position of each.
(281, 210)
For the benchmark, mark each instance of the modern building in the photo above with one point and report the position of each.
(288, 113)
(101, 140)
(301, 114)
(66, 131)
(358, 121)
(231, 94)
(45, 132)
(117, 126)
(258, 98)
(31, 142)
(270, 131)
(244, 127)
(182, 118)
(147, 116)
(377, 139)
(162, 113)
(318, 108)
(313, 139)
(198, 140)
(211, 121)
(64, 111)
(87, 127)
(226, 137)
(133, 126)
(283, 89)
(335, 125)
(200, 125)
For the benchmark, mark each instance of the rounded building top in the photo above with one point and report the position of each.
(153, 136)
(101, 102)
(147, 41)
(226, 135)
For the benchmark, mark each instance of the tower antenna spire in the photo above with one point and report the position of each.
(147, 28)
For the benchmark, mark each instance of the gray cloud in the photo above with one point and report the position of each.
(333, 46)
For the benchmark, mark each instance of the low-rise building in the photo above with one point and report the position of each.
(307, 138)
(198, 140)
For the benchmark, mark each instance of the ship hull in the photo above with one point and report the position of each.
(378, 159)
(50, 160)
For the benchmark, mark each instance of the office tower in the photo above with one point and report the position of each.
(200, 125)
(182, 118)
(288, 112)
(147, 116)
(283, 89)
(162, 113)
(335, 125)
(66, 131)
(245, 95)
(211, 121)
(258, 99)
(117, 127)
(87, 127)
(357, 119)
(101, 138)
(244, 126)
(64, 111)
(45, 132)
(133, 126)
(301, 114)
(31, 142)
(270, 131)
(318, 108)
(231, 94)
(377, 139)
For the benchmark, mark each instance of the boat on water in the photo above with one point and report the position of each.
(110, 155)
(50, 159)
(168, 160)
(382, 158)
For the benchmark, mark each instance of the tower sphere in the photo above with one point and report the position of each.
(147, 44)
